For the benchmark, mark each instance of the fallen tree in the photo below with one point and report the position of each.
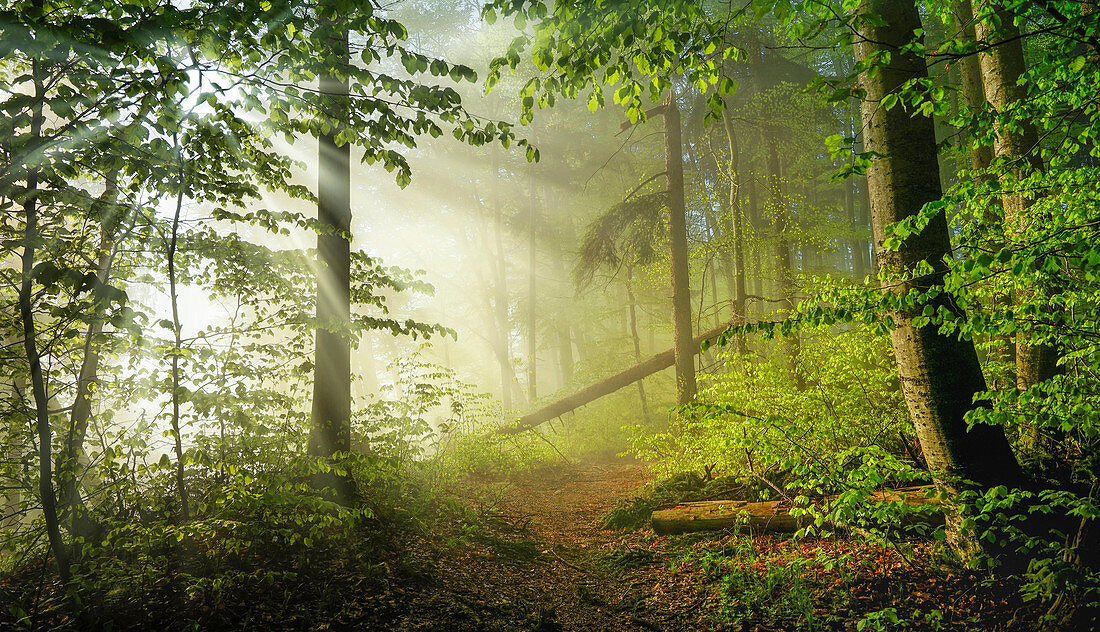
(592, 392)
(775, 515)
(711, 515)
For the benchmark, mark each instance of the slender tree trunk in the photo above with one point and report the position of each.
(532, 287)
(677, 229)
(723, 230)
(368, 364)
(31, 236)
(757, 224)
(940, 374)
(863, 202)
(72, 506)
(223, 373)
(633, 305)
(493, 335)
(508, 383)
(181, 487)
(729, 272)
(331, 415)
(736, 228)
(853, 218)
(870, 251)
(856, 214)
(783, 273)
(981, 154)
(111, 217)
(712, 277)
(562, 337)
(1018, 144)
(713, 233)
(970, 76)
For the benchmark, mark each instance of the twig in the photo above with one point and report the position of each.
(549, 443)
(561, 559)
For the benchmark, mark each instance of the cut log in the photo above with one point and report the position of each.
(713, 515)
(775, 515)
(592, 392)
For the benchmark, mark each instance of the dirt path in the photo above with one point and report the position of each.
(563, 505)
(539, 561)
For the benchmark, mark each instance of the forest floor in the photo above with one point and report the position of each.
(539, 560)
(527, 553)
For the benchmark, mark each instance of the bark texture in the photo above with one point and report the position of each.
(981, 154)
(940, 374)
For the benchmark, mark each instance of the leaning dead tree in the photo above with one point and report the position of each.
(592, 392)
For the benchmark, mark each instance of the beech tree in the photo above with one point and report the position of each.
(940, 374)
(1016, 145)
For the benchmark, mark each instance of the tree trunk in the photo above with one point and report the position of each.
(606, 386)
(783, 273)
(493, 335)
(713, 233)
(939, 374)
(331, 415)
(756, 224)
(729, 272)
(72, 508)
(853, 219)
(970, 75)
(1001, 68)
(532, 286)
(111, 216)
(855, 214)
(736, 229)
(711, 515)
(775, 515)
(561, 328)
(368, 364)
(685, 348)
(30, 339)
(177, 439)
(981, 154)
(503, 345)
(633, 306)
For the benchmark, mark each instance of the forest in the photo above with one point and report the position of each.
(465, 315)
